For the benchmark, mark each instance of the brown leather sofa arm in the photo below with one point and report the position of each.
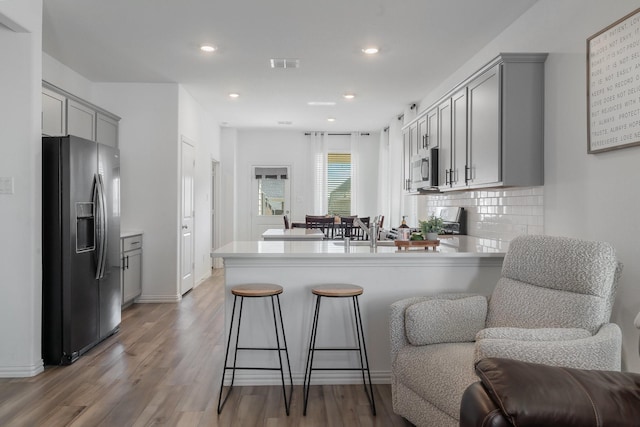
(478, 410)
(530, 394)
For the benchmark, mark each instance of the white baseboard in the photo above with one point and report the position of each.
(158, 298)
(21, 371)
(245, 378)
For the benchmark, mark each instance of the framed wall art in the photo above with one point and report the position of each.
(613, 86)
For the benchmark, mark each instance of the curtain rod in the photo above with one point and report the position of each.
(339, 134)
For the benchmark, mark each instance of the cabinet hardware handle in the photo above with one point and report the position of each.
(446, 176)
(124, 267)
(467, 174)
(127, 262)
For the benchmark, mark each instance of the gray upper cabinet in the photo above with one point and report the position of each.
(422, 133)
(457, 176)
(406, 159)
(505, 145)
(522, 119)
(432, 129)
(490, 128)
(54, 113)
(66, 114)
(483, 151)
(106, 130)
(444, 139)
(81, 120)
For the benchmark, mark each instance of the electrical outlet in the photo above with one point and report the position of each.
(6, 185)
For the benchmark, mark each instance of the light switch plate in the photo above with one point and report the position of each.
(6, 185)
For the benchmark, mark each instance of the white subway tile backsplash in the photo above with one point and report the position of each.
(497, 214)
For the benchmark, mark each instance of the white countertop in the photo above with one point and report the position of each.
(458, 246)
(293, 234)
(129, 233)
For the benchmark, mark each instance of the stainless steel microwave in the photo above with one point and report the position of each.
(424, 170)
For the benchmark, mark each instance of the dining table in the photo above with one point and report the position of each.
(308, 234)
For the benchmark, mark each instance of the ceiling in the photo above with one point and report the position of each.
(421, 42)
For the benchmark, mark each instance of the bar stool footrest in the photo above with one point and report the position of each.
(337, 349)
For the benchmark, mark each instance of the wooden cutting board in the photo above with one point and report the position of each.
(409, 244)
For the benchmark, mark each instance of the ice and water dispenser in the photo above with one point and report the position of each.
(85, 227)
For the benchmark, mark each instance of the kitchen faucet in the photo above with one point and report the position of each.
(372, 231)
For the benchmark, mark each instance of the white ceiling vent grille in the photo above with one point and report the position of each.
(285, 63)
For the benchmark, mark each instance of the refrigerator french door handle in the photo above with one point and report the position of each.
(101, 225)
(105, 230)
(98, 227)
(105, 226)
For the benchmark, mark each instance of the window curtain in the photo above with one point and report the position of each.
(354, 148)
(319, 148)
(384, 195)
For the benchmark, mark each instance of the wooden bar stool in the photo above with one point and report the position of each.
(338, 291)
(257, 290)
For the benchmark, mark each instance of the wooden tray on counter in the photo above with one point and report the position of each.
(408, 244)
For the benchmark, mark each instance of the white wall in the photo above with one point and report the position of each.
(291, 148)
(20, 212)
(149, 152)
(228, 171)
(585, 195)
(367, 175)
(265, 148)
(58, 74)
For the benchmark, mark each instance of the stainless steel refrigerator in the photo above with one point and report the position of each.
(81, 294)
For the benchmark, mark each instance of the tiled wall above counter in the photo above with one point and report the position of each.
(502, 213)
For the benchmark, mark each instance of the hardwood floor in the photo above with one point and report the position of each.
(163, 368)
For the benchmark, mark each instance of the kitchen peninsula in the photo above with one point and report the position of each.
(459, 264)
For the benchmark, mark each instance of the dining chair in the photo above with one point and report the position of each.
(324, 223)
(346, 228)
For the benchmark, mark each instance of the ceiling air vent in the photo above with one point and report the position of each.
(285, 63)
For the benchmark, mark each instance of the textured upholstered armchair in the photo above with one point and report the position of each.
(551, 305)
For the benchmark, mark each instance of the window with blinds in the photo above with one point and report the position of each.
(339, 184)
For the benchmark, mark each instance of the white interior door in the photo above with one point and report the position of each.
(270, 198)
(187, 217)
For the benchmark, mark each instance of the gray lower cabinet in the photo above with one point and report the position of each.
(131, 250)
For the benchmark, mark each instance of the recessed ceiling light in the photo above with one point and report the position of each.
(285, 122)
(321, 103)
(285, 63)
(370, 50)
(349, 95)
(331, 119)
(207, 48)
(234, 95)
